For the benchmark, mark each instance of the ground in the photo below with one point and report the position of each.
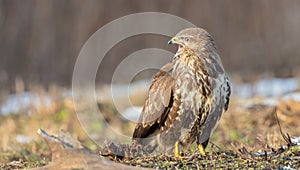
(247, 136)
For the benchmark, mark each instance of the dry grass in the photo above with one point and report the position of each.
(240, 134)
(245, 138)
(32, 153)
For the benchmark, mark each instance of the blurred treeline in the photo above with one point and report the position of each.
(40, 40)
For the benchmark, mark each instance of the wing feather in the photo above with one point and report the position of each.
(158, 103)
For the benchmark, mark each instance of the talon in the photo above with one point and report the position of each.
(176, 151)
(201, 150)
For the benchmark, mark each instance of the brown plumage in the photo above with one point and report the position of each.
(187, 96)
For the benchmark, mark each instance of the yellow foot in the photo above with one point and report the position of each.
(176, 151)
(201, 150)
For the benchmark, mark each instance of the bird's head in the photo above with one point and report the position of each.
(192, 38)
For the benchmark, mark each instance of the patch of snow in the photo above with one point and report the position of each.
(296, 140)
(23, 139)
(270, 102)
(23, 101)
(287, 168)
(275, 86)
(262, 153)
(272, 87)
(292, 96)
(244, 91)
(107, 92)
(132, 113)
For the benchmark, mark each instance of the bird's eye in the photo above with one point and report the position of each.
(186, 39)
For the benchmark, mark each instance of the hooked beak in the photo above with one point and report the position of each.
(172, 41)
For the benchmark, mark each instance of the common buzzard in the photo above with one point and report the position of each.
(186, 98)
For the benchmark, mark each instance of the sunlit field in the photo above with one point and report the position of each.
(248, 134)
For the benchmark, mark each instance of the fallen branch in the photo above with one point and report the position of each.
(69, 153)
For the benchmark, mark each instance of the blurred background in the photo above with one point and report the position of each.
(40, 40)
(258, 42)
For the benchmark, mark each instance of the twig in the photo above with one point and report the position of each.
(286, 137)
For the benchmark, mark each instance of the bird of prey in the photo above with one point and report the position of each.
(186, 98)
